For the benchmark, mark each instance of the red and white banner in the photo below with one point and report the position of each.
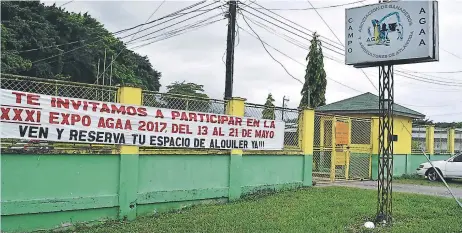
(51, 118)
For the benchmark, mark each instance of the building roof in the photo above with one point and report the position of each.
(366, 103)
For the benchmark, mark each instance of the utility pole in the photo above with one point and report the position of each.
(284, 99)
(230, 48)
(97, 76)
(110, 76)
(104, 66)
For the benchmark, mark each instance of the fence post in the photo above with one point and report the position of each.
(129, 156)
(235, 107)
(348, 151)
(374, 161)
(333, 155)
(430, 140)
(306, 126)
(451, 141)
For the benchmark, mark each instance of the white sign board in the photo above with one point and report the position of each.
(49, 118)
(397, 32)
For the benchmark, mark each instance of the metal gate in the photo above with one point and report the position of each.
(342, 148)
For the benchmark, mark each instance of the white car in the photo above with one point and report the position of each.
(450, 168)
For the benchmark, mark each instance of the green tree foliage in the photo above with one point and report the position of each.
(425, 122)
(268, 111)
(183, 97)
(32, 31)
(314, 88)
(422, 122)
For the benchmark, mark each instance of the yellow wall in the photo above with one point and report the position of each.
(402, 128)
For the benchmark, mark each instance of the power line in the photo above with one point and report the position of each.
(166, 16)
(320, 16)
(289, 39)
(435, 72)
(341, 49)
(121, 31)
(51, 46)
(66, 3)
(115, 58)
(198, 22)
(291, 31)
(178, 16)
(290, 21)
(184, 29)
(176, 33)
(306, 48)
(263, 44)
(299, 44)
(426, 80)
(284, 54)
(312, 8)
(453, 54)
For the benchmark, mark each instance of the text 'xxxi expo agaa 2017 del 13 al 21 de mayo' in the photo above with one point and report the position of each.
(61, 119)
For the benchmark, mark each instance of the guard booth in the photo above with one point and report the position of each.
(346, 137)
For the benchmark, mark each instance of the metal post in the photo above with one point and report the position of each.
(104, 76)
(284, 99)
(230, 48)
(385, 169)
(110, 75)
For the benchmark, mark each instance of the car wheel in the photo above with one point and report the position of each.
(433, 175)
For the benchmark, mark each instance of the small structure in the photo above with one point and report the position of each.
(367, 106)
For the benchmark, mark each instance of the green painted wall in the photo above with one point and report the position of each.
(399, 165)
(30, 177)
(259, 170)
(43, 221)
(50, 191)
(182, 172)
(407, 164)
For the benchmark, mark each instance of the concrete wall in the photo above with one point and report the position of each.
(440, 139)
(406, 164)
(49, 191)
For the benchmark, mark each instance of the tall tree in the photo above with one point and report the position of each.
(314, 88)
(49, 42)
(187, 96)
(268, 111)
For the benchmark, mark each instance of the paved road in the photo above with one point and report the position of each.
(441, 191)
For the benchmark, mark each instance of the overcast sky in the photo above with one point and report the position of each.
(196, 56)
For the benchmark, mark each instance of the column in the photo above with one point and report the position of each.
(128, 183)
(306, 135)
(235, 107)
(430, 140)
(451, 140)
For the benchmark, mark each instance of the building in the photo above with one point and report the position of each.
(367, 106)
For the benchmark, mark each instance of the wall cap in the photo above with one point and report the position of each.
(236, 98)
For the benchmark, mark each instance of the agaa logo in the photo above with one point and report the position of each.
(389, 31)
(385, 28)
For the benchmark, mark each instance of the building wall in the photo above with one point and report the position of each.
(403, 129)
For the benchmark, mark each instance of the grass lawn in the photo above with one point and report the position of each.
(327, 209)
(456, 183)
